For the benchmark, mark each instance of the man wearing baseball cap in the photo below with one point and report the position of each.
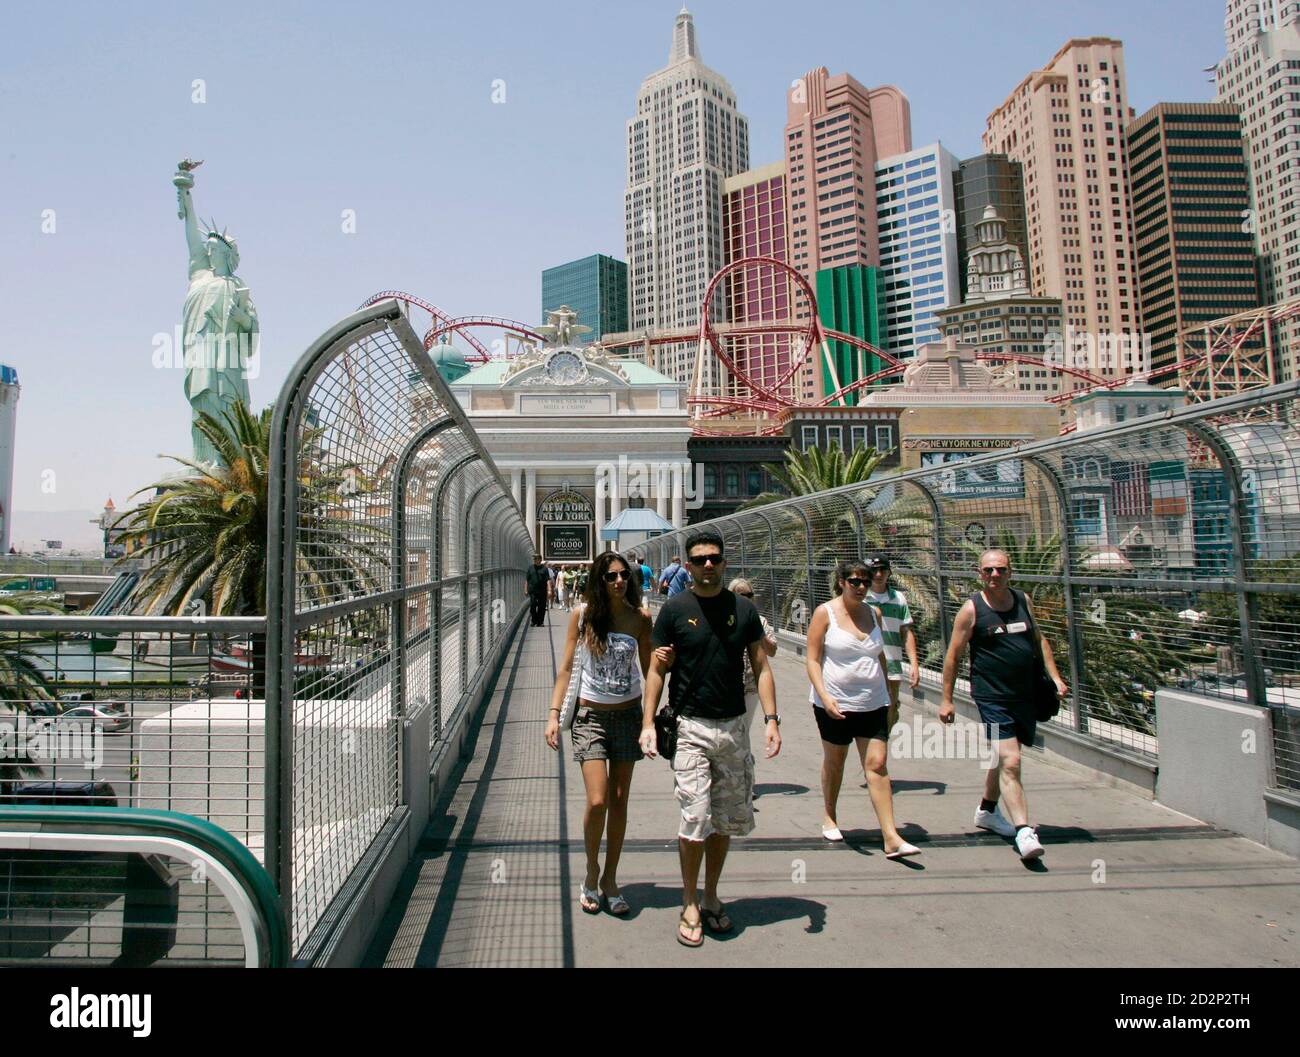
(896, 629)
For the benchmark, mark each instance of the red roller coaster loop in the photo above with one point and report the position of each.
(462, 324)
(813, 327)
(439, 317)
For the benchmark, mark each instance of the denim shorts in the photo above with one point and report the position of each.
(1003, 720)
(607, 734)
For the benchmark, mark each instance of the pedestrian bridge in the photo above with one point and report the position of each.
(360, 776)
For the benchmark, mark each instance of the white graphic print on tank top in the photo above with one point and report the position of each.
(614, 675)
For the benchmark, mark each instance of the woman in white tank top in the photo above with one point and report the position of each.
(850, 698)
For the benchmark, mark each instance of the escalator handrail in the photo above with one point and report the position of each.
(201, 833)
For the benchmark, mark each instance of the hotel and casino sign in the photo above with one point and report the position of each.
(570, 406)
(565, 506)
(963, 443)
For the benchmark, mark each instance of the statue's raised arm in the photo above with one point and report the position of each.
(194, 238)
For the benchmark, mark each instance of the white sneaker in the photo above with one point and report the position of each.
(1027, 844)
(995, 821)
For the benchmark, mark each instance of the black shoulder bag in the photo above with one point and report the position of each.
(1047, 702)
(666, 717)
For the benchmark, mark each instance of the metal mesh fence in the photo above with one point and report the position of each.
(392, 538)
(134, 712)
(1163, 552)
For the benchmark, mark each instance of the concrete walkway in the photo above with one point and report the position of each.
(1124, 881)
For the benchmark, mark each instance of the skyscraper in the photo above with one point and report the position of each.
(687, 137)
(836, 130)
(1260, 74)
(1190, 187)
(595, 287)
(754, 220)
(1065, 125)
(998, 314)
(988, 180)
(9, 391)
(918, 244)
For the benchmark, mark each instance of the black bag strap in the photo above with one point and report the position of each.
(714, 644)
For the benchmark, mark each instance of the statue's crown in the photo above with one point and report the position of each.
(222, 234)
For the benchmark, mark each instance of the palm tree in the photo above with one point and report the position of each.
(204, 535)
(875, 519)
(807, 472)
(22, 681)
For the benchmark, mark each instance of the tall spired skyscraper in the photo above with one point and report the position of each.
(686, 138)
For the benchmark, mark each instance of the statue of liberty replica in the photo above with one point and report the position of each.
(219, 326)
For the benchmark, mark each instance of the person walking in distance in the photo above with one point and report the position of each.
(666, 577)
(896, 630)
(741, 587)
(616, 633)
(561, 585)
(710, 630)
(850, 698)
(537, 585)
(1005, 644)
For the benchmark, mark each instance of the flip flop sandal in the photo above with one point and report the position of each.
(903, 851)
(713, 920)
(589, 900)
(618, 906)
(682, 923)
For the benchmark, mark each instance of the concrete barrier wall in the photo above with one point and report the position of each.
(1216, 764)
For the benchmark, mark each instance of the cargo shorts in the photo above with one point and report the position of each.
(713, 773)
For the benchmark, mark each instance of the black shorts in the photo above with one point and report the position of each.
(873, 724)
(1004, 720)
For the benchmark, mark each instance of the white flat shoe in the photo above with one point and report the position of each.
(832, 833)
(904, 850)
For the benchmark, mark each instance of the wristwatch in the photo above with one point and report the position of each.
(775, 717)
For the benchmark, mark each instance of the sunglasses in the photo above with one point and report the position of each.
(855, 581)
(621, 575)
(745, 594)
(989, 570)
(706, 559)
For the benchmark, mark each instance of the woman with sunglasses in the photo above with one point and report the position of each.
(615, 632)
(850, 698)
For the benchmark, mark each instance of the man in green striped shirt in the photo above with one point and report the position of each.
(896, 630)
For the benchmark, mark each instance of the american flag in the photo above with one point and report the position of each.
(1132, 488)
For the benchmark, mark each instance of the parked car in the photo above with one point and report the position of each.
(63, 793)
(103, 715)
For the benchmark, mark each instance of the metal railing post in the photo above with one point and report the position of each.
(435, 607)
(1073, 630)
(1247, 603)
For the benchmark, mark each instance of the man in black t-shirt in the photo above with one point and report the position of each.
(709, 630)
(537, 584)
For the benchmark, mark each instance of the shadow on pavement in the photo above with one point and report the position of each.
(744, 913)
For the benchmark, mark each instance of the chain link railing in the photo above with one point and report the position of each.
(1162, 552)
(393, 537)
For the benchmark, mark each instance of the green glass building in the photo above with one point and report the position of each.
(850, 299)
(595, 287)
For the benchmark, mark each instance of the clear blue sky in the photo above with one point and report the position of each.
(386, 109)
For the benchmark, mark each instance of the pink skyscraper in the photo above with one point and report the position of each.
(754, 225)
(836, 130)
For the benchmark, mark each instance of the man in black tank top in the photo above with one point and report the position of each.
(998, 624)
